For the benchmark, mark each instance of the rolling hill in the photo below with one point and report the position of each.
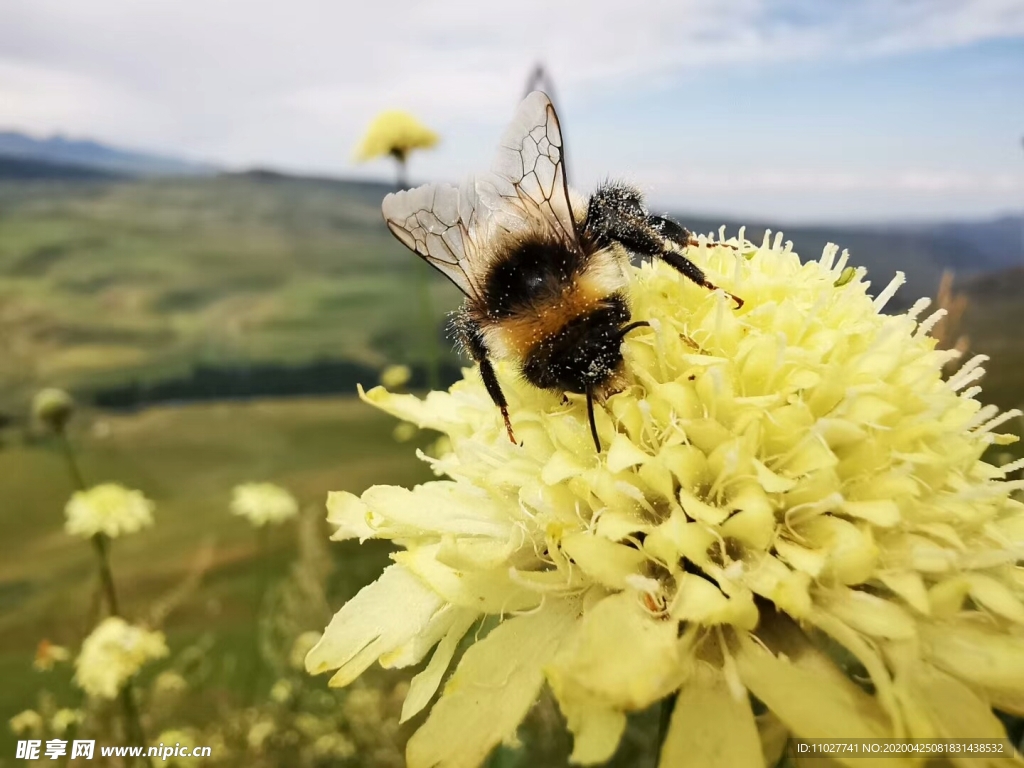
(108, 282)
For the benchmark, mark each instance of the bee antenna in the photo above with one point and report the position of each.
(593, 421)
(638, 324)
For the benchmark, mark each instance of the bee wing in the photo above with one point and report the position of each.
(528, 175)
(442, 224)
(453, 228)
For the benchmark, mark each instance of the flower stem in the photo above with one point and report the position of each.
(132, 720)
(69, 454)
(430, 344)
(263, 581)
(99, 542)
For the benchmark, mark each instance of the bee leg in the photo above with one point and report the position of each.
(678, 234)
(474, 342)
(616, 212)
(593, 421)
(688, 269)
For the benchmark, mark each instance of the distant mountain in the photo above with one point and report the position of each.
(923, 252)
(29, 169)
(62, 151)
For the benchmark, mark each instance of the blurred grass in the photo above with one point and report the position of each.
(103, 282)
(186, 459)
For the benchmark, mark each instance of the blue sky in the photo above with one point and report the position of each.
(794, 110)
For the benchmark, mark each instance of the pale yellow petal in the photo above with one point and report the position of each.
(623, 453)
(698, 600)
(424, 685)
(606, 562)
(381, 617)
(596, 725)
(437, 507)
(494, 686)
(651, 669)
(491, 591)
(910, 586)
(996, 596)
(771, 481)
(774, 737)
(809, 695)
(415, 649)
(349, 515)
(883, 513)
(981, 655)
(867, 613)
(945, 708)
(711, 727)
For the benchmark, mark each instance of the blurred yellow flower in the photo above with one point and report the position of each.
(27, 723)
(395, 376)
(301, 646)
(395, 134)
(169, 683)
(794, 471)
(52, 408)
(263, 503)
(334, 746)
(259, 732)
(110, 509)
(113, 653)
(174, 738)
(64, 719)
(281, 691)
(48, 655)
(404, 432)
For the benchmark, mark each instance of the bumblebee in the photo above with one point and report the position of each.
(543, 269)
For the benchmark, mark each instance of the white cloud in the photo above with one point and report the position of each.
(294, 83)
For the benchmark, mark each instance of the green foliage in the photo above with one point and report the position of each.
(187, 459)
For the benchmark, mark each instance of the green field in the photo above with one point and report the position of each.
(104, 282)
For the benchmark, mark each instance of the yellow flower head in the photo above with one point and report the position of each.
(779, 481)
(395, 376)
(282, 691)
(176, 737)
(27, 723)
(259, 732)
(110, 509)
(404, 432)
(394, 134)
(66, 719)
(333, 746)
(169, 683)
(48, 655)
(263, 503)
(113, 653)
(52, 408)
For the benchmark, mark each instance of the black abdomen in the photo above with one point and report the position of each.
(584, 354)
